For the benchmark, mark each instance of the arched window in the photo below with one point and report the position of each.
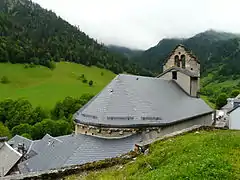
(183, 59)
(176, 61)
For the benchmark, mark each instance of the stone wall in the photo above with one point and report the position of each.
(104, 132)
(152, 135)
(147, 133)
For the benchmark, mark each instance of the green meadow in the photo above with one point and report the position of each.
(203, 155)
(44, 87)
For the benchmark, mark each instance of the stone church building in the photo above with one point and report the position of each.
(151, 106)
(129, 112)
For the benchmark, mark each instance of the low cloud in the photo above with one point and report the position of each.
(141, 24)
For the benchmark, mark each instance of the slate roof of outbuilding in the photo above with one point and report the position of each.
(75, 150)
(8, 158)
(137, 101)
(20, 140)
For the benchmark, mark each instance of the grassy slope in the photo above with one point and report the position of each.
(203, 155)
(44, 87)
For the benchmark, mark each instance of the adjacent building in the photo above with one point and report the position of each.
(9, 157)
(234, 118)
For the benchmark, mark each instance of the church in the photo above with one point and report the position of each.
(130, 112)
(151, 106)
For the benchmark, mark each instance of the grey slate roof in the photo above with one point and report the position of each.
(20, 140)
(136, 101)
(184, 71)
(75, 150)
(8, 158)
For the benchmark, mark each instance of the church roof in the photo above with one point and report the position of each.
(137, 101)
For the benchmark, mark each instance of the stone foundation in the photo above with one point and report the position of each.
(104, 132)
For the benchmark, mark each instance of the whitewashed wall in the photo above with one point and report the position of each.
(234, 119)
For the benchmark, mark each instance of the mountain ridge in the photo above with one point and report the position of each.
(219, 55)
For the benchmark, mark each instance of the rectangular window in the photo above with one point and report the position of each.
(174, 75)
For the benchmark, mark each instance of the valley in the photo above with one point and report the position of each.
(50, 69)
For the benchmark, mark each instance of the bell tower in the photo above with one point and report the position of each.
(182, 58)
(184, 68)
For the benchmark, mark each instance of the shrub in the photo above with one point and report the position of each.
(51, 65)
(221, 100)
(5, 80)
(234, 93)
(82, 77)
(32, 65)
(90, 83)
(102, 73)
(4, 131)
(26, 66)
(84, 80)
(26, 135)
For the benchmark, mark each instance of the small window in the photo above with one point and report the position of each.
(176, 61)
(174, 75)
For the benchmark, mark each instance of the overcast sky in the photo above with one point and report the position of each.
(142, 23)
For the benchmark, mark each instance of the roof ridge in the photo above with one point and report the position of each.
(52, 137)
(12, 149)
(184, 71)
(233, 109)
(21, 137)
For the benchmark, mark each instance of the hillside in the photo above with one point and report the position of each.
(31, 34)
(200, 155)
(44, 87)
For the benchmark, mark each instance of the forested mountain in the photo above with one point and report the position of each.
(218, 52)
(211, 47)
(129, 53)
(31, 34)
